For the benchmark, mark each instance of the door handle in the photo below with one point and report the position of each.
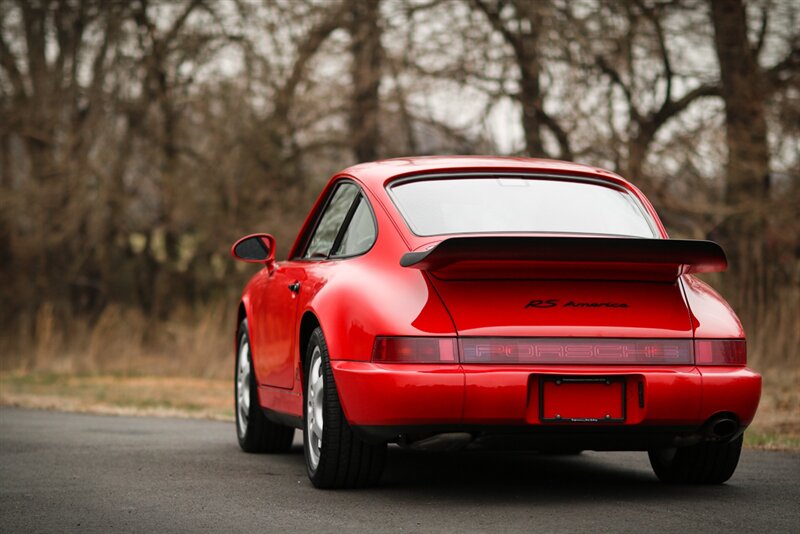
(295, 287)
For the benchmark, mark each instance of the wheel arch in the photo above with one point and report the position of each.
(308, 323)
(243, 312)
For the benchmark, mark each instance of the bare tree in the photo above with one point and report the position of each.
(612, 49)
(743, 89)
(763, 269)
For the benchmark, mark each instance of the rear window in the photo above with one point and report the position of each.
(500, 205)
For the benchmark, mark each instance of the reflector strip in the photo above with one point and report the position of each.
(560, 351)
(577, 351)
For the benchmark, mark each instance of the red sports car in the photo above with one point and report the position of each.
(448, 302)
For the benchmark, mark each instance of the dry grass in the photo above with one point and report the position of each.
(124, 363)
(124, 342)
(157, 396)
(777, 422)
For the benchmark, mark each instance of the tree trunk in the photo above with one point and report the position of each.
(5, 161)
(742, 89)
(530, 94)
(367, 54)
(522, 35)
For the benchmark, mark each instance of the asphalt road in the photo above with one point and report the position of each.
(63, 472)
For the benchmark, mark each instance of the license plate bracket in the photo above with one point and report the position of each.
(578, 399)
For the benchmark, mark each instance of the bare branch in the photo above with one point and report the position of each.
(616, 79)
(493, 16)
(558, 132)
(9, 64)
(762, 32)
(180, 21)
(786, 69)
(655, 20)
(674, 107)
(330, 21)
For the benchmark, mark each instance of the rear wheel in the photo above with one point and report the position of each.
(335, 456)
(704, 463)
(254, 431)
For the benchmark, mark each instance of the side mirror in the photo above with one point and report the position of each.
(255, 248)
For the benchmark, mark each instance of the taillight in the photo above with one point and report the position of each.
(560, 351)
(577, 351)
(720, 351)
(415, 350)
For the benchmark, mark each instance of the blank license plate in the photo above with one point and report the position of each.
(582, 399)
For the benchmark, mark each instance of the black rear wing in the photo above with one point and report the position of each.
(562, 257)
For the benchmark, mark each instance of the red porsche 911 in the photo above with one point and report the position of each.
(476, 302)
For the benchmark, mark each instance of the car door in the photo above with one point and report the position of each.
(275, 336)
(275, 307)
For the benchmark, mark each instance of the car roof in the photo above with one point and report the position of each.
(375, 174)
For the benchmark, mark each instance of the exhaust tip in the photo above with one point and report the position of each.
(723, 428)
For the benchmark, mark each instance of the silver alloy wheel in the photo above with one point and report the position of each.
(314, 398)
(243, 386)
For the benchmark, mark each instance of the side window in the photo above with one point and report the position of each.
(360, 233)
(330, 222)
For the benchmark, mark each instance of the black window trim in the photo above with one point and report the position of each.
(343, 228)
(348, 217)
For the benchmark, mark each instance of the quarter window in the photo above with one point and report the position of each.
(360, 233)
(331, 221)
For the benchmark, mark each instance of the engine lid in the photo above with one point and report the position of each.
(566, 308)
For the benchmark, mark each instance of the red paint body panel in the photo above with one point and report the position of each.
(712, 317)
(282, 400)
(651, 309)
(406, 394)
(731, 389)
(356, 299)
(273, 334)
(400, 394)
(672, 395)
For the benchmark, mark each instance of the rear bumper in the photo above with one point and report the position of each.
(673, 400)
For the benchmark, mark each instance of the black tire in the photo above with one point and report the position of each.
(255, 432)
(704, 463)
(344, 460)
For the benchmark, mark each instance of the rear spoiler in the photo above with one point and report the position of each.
(562, 257)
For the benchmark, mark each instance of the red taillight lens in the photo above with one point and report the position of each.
(577, 351)
(720, 351)
(415, 350)
(560, 351)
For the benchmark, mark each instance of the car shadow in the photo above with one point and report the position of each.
(494, 477)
